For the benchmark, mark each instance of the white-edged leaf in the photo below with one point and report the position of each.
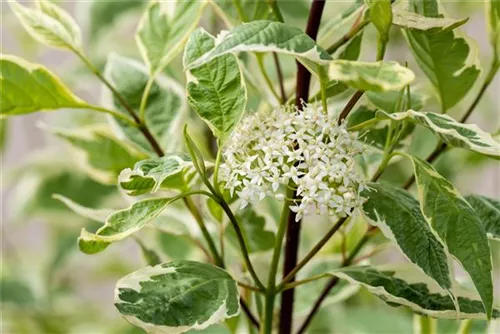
(454, 133)
(266, 36)
(449, 61)
(373, 76)
(398, 216)
(98, 215)
(165, 109)
(178, 296)
(457, 225)
(488, 210)
(105, 155)
(164, 29)
(216, 90)
(332, 26)
(410, 20)
(49, 24)
(122, 224)
(150, 175)
(404, 285)
(29, 87)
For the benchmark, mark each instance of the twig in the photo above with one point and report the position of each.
(350, 105)
(293, 227)
(281, 79)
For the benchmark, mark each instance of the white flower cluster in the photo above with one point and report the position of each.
(307, 150)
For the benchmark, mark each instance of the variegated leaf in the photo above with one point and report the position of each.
(410, 20)
(454, 133)
(104, 155)
(450, 62)
(457, 225)
(49, 24)
(488, 210)
(164, 29)
(265, 36)
(216, 90)
(405, 286)
(122, 224)
(373, 76)
(148, 176)
(29, 87)
(98, 215)
(193, 295)
(398, 216)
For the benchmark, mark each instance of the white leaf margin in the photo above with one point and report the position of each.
(406, 76)
(132, 280)
(491, 148)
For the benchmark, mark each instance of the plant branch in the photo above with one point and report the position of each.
(241, 240)
(350, 105)
(265, 75)
(293, 227)
(281, 79)
(333, 282)
(356, 28)
(211, 244)
(249, 287)
(313, 251)
(249, 314)
(140, 125)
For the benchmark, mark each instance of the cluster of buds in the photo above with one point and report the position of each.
(307, 151)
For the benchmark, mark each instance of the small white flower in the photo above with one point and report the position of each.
(307, 150)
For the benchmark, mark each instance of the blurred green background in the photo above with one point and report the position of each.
(48, 286)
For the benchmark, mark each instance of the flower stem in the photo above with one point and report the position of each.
(271, 283)
(241, 240)
(260, 62)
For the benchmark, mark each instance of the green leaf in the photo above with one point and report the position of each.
(410, 20)
(103, 14)
(468, 136)
(251, 10)
(98, 215)
(398, 216)
(216, 90)
(150, 175)
(406, 286)
(493, 19)
(376, 76)
(193, 295)
(335, 24)
(122, 224)
(381, 17)
(49, 24)
(29, 87)
(165, 109)
(449, 61)
(164, 29)
(266, 36)
(353, 48)
(456, 223)
(16, 292)
(176, 247)
(388, 101)
(105, 155)
(488, 210)
(150, 256)
(257, 238)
